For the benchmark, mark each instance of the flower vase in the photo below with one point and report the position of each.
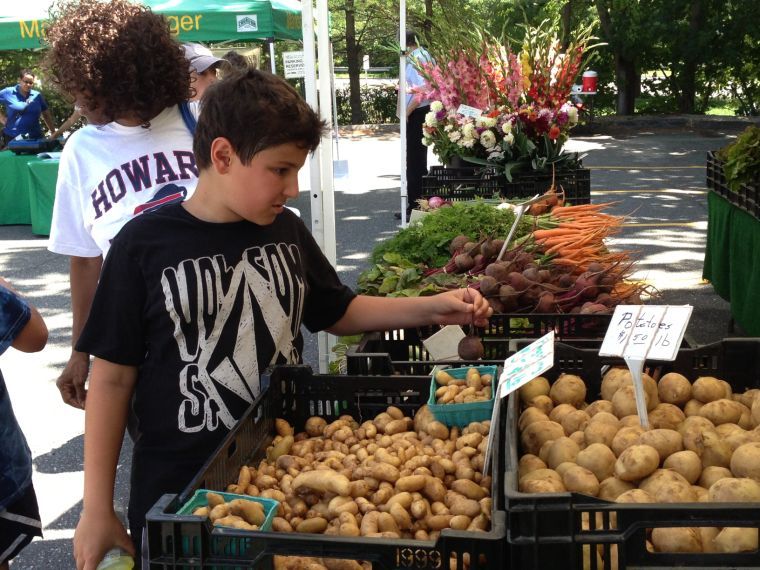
(456, 161)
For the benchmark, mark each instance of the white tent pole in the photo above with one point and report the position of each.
(402, 106)
(326, 153)
(315, 170)
(272, 60)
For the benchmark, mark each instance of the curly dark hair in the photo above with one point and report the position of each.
(254, 110)
(117, 55)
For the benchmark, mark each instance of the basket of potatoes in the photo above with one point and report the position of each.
(459, 396)
(232, 510)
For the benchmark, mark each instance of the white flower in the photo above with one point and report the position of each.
(426, 141)
(454, 136)
(448, 128)
(436, 106)
(466, 143)
(509, 138)
(572, 114)
(496, 155)
(488, 139)
(507, 127)
(468, 130)
(489, 122)
(430, 119)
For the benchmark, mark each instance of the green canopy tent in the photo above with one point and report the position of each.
(23, 23)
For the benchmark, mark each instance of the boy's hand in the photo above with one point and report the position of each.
(462, 307)
(96, 535)
(72, 380)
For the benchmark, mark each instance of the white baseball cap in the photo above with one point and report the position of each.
(199, 57)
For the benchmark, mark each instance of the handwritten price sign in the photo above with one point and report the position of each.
(646, 331)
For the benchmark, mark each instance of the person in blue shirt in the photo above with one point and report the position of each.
(23, 108)
(21, 327)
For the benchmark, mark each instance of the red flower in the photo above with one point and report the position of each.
(554, 133)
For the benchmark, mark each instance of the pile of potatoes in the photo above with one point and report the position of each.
(239, 513)
(703, 445)
(474, 387)
(391, 477)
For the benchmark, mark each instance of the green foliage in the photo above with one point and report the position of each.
(427, 242)
(378, 104)
(741, 159)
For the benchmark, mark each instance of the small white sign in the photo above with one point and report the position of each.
(365, 63)
(247, 23)
(444, 344)
(293, 62)
(646, 331)
(468, 111)
(520, 368)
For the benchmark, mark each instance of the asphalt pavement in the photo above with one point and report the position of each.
(655, 173)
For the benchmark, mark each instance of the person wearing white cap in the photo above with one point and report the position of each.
(203, 66)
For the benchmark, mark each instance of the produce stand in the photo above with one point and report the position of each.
(295, 394)
(547, 530)
(733, 240)
(470, 182)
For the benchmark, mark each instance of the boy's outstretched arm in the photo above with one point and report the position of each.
(457, 307)
(99, 529)
(33, 337)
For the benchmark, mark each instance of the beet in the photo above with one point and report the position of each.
(464, 262)
(546, 303)
(531, 274)
(605, 299)
(518, 281)
(471, 247)
(489, 286)
(470, 348)
(544, 275)
(529, 297)
(496, 304)
(457, 243)
(565, 281)
(496, 246)
(498, 271)
(508, 298)
(594, 308)
(595, 267)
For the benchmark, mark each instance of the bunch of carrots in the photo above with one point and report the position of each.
(577, 239)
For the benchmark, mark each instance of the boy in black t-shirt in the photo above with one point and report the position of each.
(197, 299)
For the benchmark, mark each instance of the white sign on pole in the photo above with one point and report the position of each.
(468, 111)
(519, 369)
(293, 62)
(365, 63)
(639, 332)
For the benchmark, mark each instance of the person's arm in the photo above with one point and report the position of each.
(83, 280)
(33, 337)
(47, 117)
(67, 124)
(457, 307)
(3, 120)
(99, 528)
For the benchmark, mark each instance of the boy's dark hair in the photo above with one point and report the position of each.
(116, 54)
(254, 110)
(411, 38)
(26, 71)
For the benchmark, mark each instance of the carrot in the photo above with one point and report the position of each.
(541, 234)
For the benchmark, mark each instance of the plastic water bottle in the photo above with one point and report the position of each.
(116, 559)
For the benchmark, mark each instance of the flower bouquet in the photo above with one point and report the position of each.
(506, 110)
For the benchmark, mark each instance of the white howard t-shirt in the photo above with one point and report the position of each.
(108, 174)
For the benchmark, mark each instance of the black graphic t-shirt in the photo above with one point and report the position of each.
(203, 309)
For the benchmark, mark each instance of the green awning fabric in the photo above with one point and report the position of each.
(23, 23)
(732, 263)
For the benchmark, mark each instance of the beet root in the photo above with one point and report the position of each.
(470, 348)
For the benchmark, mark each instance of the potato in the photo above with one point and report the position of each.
(560, 450)
(624, 401)
(539, 386)
(578, 438)
(755, 411)
(323, 481)
(701, 494)
(736, 539)
(666, 416)
(580, 480)
(686, 463)
(636, 462)
(711, 475)
(559, 412)
(675, 492)
(543, 403)
(528, 463)
(659, 478)
(748, 397)
(708, 389)
(612, 487)
(707, 534)
(745, 461)
(674, 388)
(734, 490)
(598, 406)
(576, 420)
(599, 459)
(568, 389)
(717, 452)
(676, 539)
(635, 496)
(541, 481)
(315, 426)
(612, 380)
(722, 411)
(538, 433)
(665, 441)
(692, 407)
(626, 437)
(529, 416)
(600, 432)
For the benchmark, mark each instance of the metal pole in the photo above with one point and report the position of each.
(272, 57)
(402, 106)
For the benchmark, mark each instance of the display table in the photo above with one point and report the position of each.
(42, 176)
(14, 188)
(732, 263)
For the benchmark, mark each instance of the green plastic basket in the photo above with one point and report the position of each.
(199, 500)
(462, 414)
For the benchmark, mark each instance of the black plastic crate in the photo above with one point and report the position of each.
(294, 393)
(546, 530)
(747, 197)
(402, 352)
(468, 183)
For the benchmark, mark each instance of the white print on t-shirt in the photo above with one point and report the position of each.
(214, 309)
